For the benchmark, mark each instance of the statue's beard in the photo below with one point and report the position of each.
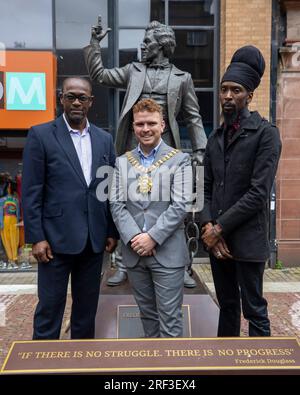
(230, 117)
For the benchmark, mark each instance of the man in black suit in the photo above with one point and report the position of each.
(66, 223)
(240, 165)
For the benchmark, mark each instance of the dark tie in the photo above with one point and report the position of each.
(158, 66)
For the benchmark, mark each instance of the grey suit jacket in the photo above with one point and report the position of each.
(181, 96)
(163, 218)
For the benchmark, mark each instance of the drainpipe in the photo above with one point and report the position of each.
(273, 86)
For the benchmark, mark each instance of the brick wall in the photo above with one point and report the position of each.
(288, 175)
(245, 22)
(288, 121)
(249, 22)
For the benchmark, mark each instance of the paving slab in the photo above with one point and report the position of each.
(18, 300)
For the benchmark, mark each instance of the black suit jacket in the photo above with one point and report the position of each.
(58, 205)
(238, 181)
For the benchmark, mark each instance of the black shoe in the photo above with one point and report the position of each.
(189, 282)
(117, 278)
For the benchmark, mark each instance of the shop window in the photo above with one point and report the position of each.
(23, 28)
(206, 102)
(194, 53)
(74, 20)
(134, 13)
(157, 11)
(15, 255)
(192, 13)
(129, 45)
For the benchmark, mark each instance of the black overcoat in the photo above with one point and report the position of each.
(238, 182)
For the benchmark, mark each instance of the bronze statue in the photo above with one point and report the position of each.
(154, 77)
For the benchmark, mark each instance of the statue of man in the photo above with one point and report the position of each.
(154, 77)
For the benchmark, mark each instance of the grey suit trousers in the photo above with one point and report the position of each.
(159, 294)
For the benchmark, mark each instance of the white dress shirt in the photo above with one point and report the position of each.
(83, 146)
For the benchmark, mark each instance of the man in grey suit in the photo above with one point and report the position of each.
(154, 77)
(150, 197)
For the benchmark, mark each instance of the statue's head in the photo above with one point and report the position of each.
(164, 35)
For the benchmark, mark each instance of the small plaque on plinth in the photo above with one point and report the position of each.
(253, 355)
(122, 317)
(130, 324)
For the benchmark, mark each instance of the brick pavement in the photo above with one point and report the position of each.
(282, 291)
(18, 300)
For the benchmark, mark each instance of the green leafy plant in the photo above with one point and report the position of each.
(278, 265)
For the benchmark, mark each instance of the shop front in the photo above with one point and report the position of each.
(27, 97)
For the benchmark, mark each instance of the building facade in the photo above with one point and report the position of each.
(288, 121)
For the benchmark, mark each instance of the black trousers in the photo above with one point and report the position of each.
(240, 283)
(53, 277)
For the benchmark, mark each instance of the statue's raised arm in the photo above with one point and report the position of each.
(97, 33)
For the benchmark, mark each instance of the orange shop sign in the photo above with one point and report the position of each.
(27, 88)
